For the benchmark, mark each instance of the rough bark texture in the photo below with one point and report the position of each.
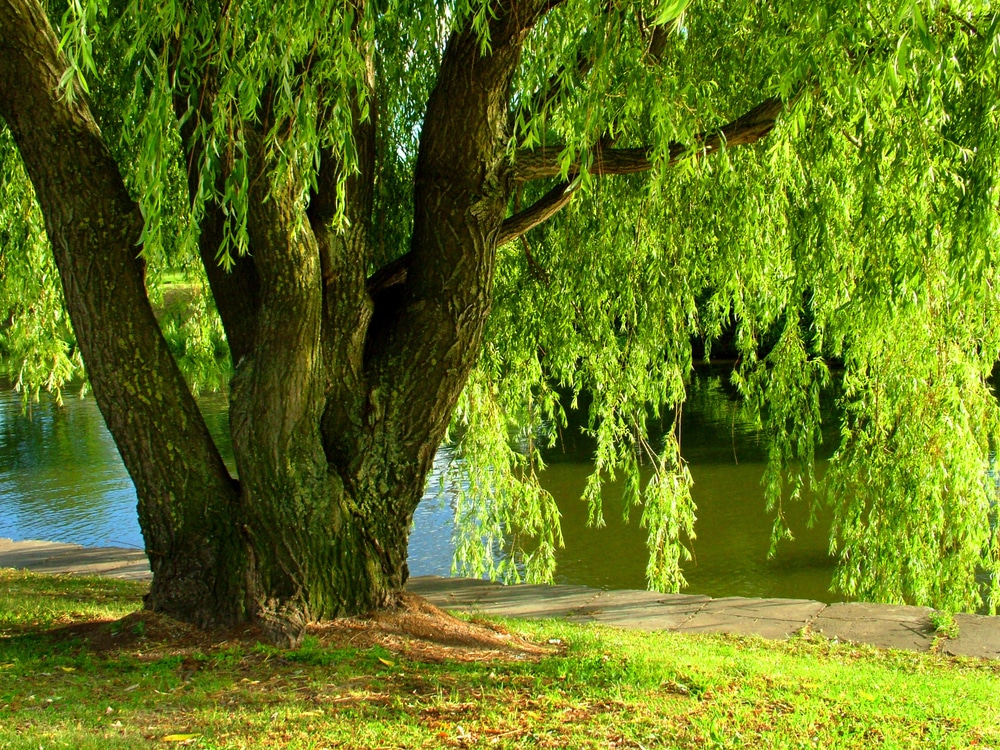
(187, 499)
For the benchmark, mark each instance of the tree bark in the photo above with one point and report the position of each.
(187, 499)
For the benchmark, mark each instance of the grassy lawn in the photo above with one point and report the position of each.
(74, 674)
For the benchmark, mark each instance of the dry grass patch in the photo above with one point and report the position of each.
(414, 629)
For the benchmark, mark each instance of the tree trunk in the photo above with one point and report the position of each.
(338, 403)
(187, 500)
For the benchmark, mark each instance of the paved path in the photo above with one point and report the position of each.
(884, 625)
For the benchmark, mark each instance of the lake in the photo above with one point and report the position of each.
(61, 479)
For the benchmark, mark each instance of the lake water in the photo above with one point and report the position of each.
(61, 479)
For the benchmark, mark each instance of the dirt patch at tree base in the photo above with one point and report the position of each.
(414, 629)
(417, 629)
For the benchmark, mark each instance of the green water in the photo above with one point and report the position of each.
(729, 555)
(61, 479)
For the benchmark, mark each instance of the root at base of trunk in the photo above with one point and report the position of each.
(412, 628)
(418, 630)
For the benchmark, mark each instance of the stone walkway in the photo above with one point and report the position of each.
(883, 625)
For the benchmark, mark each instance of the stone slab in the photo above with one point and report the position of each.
(57, 558)
(640, 610)
(536, 601)
(769, 618)
(452, 593)
(978, 635)
(883, 625)
(32, 554)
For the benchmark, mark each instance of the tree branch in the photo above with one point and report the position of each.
(656, 37)
(425, 334)
(544, 162)
(749, 128)
(538, 212)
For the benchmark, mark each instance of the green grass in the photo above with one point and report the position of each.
(607, 688)
(31, 603)
(945, 625)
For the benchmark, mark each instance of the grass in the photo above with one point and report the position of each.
(139, 682)
(944, 624)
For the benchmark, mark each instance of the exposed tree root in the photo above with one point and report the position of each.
(413, 628)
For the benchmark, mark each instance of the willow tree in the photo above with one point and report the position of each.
(413, 213)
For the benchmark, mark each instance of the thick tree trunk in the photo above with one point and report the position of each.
(337, 406)
(187, 500)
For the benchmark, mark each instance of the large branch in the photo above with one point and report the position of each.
(345, 253)
(426, 334)
(749, 128)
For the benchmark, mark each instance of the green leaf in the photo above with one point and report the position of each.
(669, 10)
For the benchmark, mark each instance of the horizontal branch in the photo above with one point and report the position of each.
(544, 162)
(390, 275)
(749, 128)
(538, 212)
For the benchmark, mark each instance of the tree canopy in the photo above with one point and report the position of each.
(600, 184)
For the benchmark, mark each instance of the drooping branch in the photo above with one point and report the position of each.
(557, 81)
(236, 291)
(359, 188)
(746, 129)
(541, 163)
(537, 103)
(93, 226)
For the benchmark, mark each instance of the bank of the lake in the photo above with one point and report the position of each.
(883, 625)
(70, 681)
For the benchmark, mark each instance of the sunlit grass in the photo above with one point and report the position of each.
(608, 688)
(33, 602)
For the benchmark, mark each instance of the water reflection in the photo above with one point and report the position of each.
(729, 555)
(726, 458)
(61, 479)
